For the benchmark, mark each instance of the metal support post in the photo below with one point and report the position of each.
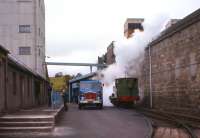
(69, 93)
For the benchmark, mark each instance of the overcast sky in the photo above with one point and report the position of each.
(81, 30)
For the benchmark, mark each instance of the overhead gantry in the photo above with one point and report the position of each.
(77, 64)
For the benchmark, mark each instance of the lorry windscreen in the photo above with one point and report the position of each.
(90, 86)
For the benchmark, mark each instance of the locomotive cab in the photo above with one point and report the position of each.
(126, 92)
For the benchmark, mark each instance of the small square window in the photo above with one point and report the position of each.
(24, 50)
(24, 29)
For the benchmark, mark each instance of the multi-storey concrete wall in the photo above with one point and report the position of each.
(22, 31)
(40, 37)
(175, 67)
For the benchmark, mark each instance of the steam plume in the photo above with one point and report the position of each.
(129, 54)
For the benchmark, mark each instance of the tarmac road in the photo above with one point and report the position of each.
(109, 122)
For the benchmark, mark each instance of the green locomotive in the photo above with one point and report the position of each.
(125, 92)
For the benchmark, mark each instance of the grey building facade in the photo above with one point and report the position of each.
(22, 31)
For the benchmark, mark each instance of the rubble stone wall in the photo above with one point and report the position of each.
(175, 68)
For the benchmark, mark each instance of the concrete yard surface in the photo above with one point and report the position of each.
(110, 122)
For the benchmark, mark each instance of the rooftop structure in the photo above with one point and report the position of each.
(131, 25)
(4, 50)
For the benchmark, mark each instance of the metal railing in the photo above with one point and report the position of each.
(56, 99)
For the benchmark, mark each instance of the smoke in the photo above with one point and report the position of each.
(129, 54)
(108, 90)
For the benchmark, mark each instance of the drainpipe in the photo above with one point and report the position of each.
(150, 79)
(34, 27)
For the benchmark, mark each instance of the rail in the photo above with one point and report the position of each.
(150, 126)
(169, 118)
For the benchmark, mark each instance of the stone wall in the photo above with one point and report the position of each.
(175, 67)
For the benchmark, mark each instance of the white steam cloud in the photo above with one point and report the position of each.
(129, 54)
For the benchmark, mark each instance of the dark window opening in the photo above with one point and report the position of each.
(24, 29)
(135, 26)
(24, 51)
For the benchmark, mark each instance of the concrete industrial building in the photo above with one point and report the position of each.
(131, 25)
(22, 31)
(109, 57)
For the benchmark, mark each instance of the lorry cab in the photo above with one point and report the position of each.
(90, 94)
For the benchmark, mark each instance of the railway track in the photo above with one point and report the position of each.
(171, 119)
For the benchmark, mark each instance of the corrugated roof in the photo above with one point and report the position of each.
(14, 61)
(4, 49)
(83, 77)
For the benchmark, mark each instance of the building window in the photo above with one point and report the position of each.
(24, 29)
(24, 50)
